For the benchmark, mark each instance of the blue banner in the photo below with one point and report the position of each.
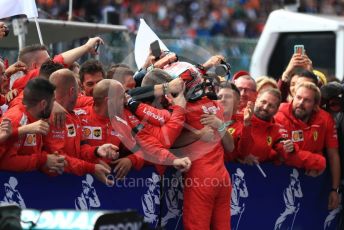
(285, 199)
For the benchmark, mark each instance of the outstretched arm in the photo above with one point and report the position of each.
(72, 55)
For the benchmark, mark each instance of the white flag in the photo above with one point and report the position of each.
(145, 36)
(10, 8)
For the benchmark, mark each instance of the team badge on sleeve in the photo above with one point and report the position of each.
(269, 140)
(297, 135)
(231, 130)
(71, 130)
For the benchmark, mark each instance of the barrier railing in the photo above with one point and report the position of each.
(285, 199)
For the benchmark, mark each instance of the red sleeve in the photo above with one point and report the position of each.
(78, 167)
(154, 151)
(173, 127)
(59, 59)
(11, 161)
(152, 115)
(87, 153)
(305, 159)
(2, 99)
(137, 160)
(331, 133)
(20, 83)
(15, 133)
(245, 141)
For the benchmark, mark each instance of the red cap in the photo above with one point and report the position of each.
(239, 74)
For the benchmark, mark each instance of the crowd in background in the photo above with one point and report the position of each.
(192, 18)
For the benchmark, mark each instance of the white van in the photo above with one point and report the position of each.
(321, 35)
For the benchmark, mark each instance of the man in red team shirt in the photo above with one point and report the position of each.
(25, 153)
(312, 129)
(240, 129)
(208, 191)
(34, 56)
(82, 158)
(150, 138)
(91, 72)
(248, 91)
(97, 128)
(270, 140)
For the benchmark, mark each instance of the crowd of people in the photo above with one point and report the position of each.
(64, 117)
(192, 18)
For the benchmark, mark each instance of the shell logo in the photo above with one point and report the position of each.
(87, 132)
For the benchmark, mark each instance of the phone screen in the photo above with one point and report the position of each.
(155, 48)
(300, 49)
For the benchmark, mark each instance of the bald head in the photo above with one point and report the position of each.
(66, 88)
(105, 88)
(63, 79)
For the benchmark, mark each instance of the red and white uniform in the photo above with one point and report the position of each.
(207, 198)
(24, 153)
(67, 141)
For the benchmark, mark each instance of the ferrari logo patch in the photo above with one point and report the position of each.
(231, 130)
(269, 140)
(315, 135)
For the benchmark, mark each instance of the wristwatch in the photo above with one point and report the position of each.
(335, 190)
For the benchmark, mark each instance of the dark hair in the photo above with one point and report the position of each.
(37, 90)
(91, 67)
(229, 85)
(23, 53)
(305, 73)
(48, 67)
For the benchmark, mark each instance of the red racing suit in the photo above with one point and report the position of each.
(155, 140)
(68, 141)
(166, 123)
(207, 187)
(24, 153)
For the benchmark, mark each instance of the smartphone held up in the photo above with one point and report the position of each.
(299, 49)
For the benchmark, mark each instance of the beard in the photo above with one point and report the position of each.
(45, 114)
(300, 113)
(262, 114)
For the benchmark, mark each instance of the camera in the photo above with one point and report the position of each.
(223, 69)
